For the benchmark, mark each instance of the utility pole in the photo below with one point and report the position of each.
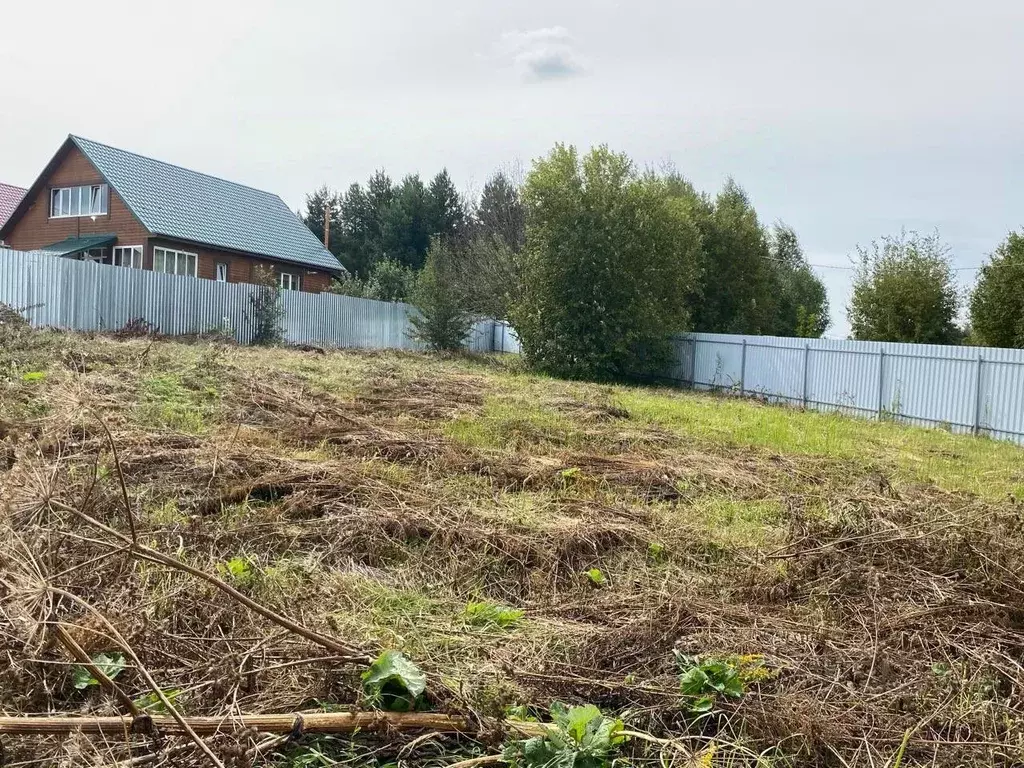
(327, 226)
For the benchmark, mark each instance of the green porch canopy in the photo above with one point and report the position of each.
(74, 245)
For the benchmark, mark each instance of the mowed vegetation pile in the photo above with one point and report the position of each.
(738, 584)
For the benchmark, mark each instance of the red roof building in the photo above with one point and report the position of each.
(9, 199)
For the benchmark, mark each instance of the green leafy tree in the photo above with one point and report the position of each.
(490, 261)
(359, 242)
(736, 295)
(407, 223)
(609, 260)
(390, 281)
(903, 290)
(801, 300)
(500, 213)
(997, 302)
(349, 285)
(445, 320)
(490, 272)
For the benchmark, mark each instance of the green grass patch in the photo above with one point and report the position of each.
(512, 425)
(481, 613)
(167, 403)
(735, 523)
(954, 462)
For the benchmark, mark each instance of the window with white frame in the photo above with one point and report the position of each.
(289, 281)
(175, 262)
(95, 255)
(128, 256)
(90, 200)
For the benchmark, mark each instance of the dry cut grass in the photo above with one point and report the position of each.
(865, 579)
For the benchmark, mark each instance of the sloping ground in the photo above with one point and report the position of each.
(864, 580)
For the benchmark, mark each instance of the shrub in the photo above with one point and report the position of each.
(390, 281)
(444, 322)
(12, 322)
(610, 257)
(997, 304)
(904, 291)
(137, 327)
(265, 311)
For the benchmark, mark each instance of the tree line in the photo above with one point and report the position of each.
(595, 261)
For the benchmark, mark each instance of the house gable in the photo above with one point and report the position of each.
(31, 227)
(181, 204)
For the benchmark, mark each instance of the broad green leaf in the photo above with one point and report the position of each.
(111, 664)
(733, 686)
(693, 681)
(578, 718)
(702, 705)
(582, 738)
(393, 682)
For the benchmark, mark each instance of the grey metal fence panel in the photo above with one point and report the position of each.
(78, 295)
(965, 389)
(505, 338)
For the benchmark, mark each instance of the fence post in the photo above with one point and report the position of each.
(743, 368)
(807, 366)
(977, 396)
(881, 381)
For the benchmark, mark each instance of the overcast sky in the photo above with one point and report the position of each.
(847, 121)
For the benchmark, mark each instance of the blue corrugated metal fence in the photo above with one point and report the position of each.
(978, 390)
(967, 389)
(64, 293)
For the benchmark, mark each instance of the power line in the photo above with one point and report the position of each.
(851, 269)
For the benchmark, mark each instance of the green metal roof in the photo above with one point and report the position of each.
(78, 244)
(186, 205)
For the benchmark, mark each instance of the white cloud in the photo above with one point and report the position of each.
(517, 41)
(542, 54)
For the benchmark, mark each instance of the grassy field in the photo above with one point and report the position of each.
(522, 540)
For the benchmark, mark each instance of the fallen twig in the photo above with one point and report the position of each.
(146, 553)
(318, 722)
(175, 716)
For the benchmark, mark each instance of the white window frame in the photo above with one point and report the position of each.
(78, 192)
(294, 281)
(217, 270)
(94, 255)
(176, 255)
(136, 256)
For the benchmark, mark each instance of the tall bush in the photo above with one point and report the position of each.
(903, 290)
(997, 303)
(610, 258)
(445, 321)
